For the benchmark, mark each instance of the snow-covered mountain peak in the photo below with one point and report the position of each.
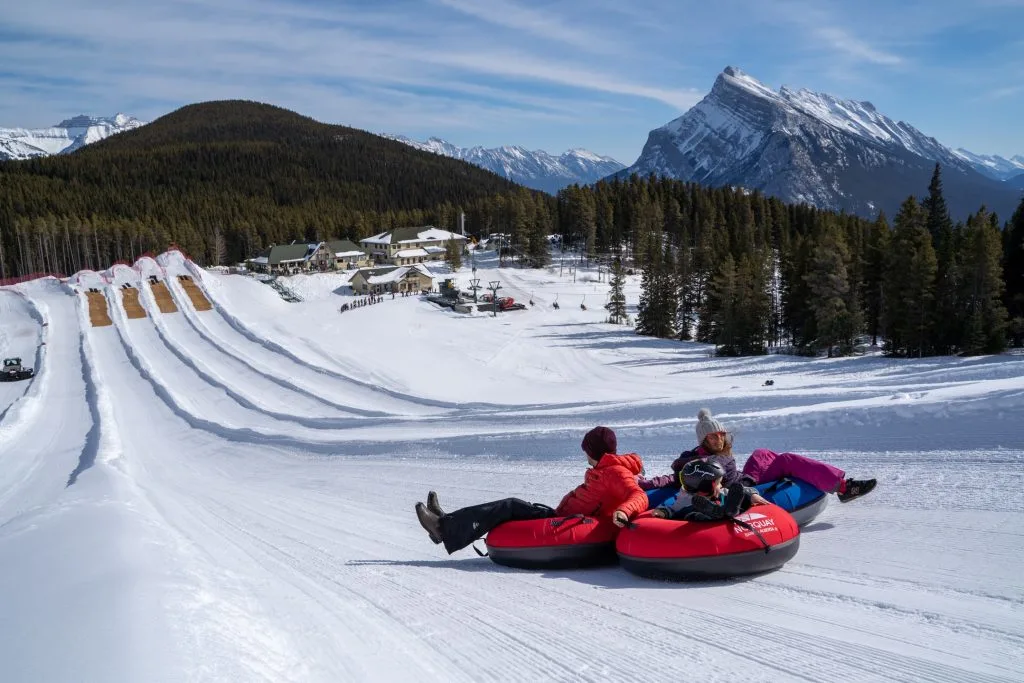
(65, 137)
(736, 77)
(806, 146)
(993, 165)
(537, 168)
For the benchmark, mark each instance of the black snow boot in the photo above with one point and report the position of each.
(463, 526)
(433, 505)
(855, 488)
(430, 522)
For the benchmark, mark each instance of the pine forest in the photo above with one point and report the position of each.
(737, 269)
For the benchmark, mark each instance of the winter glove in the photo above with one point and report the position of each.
(704, 510)
(620, 518)
(661, 513)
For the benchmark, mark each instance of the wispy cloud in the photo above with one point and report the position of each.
(593, 73)
(1005, 91)
(542, 24)
(857, 48)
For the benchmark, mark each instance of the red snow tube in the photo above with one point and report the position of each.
(668, 549)
(553, 543)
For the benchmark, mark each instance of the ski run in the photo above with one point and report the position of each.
(227, 494)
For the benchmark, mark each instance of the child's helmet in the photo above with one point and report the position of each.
(697, 476)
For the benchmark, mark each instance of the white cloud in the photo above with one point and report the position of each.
(547, 25)
(856, 48)
(1005, 91)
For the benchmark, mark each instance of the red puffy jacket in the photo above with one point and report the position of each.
(608, 486)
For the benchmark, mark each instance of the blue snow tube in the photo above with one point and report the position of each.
(662, 496)
(795, 496)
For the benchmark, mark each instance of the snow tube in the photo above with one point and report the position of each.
(795, 496)
(656, 497)
(680, 551)
(553, 543)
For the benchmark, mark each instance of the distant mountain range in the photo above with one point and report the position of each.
(804, 146)
(536, 169)
(993, 165)
(67, 136)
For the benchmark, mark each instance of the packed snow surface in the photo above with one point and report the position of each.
(227, 495)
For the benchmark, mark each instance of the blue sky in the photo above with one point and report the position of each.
(547, 75)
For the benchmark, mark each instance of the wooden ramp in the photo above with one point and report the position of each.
(130, 302)
(163, 297)
(199, 300)
(98, 314)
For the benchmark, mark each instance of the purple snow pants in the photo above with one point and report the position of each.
(765, 465)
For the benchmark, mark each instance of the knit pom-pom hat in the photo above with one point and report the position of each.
(707, 425)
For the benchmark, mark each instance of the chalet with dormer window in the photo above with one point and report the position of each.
(414, 278)
(409, 246)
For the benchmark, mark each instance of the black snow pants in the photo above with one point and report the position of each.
(462, 527)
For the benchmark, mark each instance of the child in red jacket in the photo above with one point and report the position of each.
(609, 489)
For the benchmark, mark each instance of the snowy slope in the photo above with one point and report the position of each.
(19, 338)
(227, 495)
(993, 165)
(64, 138)
(536, 169)
(804, 146)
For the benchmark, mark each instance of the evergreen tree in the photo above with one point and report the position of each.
(946, 316)
(617, 298)
(704, 266)
(909, 283)
(219, 248)
(539, 249)
(686, 285)
(656, 312)
(797, 316)
(1013, 273)
(453, 254)
(830, 290)
(937, 219)
(983, 286)
(752, 305)
(720, 309)
(879, 237)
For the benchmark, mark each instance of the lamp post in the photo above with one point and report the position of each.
(474, 284)
(494, 286)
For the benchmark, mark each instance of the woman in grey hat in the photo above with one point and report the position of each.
(715, 445)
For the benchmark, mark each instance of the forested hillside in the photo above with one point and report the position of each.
(224, 179)
(747, 272)
(736, 268)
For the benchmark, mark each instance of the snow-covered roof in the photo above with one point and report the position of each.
(427, 233)
(436, 234)
(382, 238)
(347, 254)
(262, 260)
(397, 274)
(412, 253)
(434, 250)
